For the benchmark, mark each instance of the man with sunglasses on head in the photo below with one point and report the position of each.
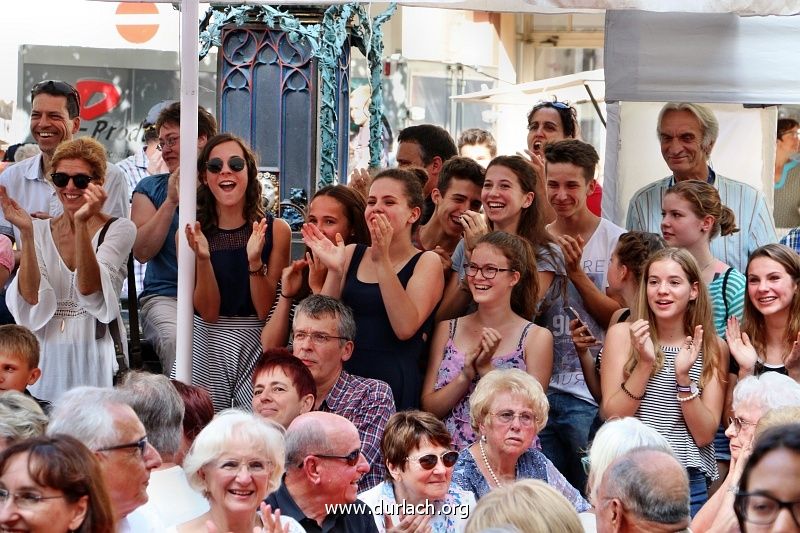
(55, 118)
(154, 210)
(322, 338)
(104, 422)
(324, 464)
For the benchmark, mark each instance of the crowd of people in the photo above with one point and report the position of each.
(465, 345)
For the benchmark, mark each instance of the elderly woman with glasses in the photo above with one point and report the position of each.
(507, 410)
(416, 447)
(753, 397)
(235, 461)
(71, 270)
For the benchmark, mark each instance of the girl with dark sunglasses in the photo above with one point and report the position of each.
(416, 448)
(240, 252)
(70, 276)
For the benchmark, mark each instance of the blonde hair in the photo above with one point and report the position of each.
(87, 150)
(512, 381)
(782, 416)
(704, 200)
(530, 506)
(698, 312)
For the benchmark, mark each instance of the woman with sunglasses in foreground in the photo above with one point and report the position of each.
(507, 411)
(239, 253)
(419, 463)
(68, 284)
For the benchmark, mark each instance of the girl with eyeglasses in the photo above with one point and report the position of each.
(667, 368)
(416, 448)
(497, 335)
(70, 276)
(507, 411)
(239, 253)
(391, 286)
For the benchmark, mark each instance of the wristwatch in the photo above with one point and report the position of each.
(260, 271)
(691, 388)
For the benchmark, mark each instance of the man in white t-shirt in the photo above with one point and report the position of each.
(587, 242)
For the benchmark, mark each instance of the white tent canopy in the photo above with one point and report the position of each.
(573, 88)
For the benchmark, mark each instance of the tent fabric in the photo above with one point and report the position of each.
(570, 88)
(653, 57)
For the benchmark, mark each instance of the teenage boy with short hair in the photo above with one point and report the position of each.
(19, 361)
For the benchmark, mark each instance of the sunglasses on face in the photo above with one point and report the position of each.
(351, 458)
(215, 165)
(60, 179)
(429, 460)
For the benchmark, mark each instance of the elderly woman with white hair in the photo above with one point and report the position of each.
(507, 411)
(753, 397)
(21, 418)
(235, 461)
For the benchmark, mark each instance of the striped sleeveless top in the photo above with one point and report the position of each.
(661, 410)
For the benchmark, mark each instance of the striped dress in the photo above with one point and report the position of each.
(661, 410)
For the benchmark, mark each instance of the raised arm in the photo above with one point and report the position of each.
(87, 271)
(28, 275)
(441, 401)
(206, 292)
(600, 306)
(153, 224)
(262, 287)
(276, 330)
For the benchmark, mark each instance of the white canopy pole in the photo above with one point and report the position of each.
(187, 214)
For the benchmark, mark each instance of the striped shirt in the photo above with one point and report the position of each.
(661, 410)
(733, 297)
(753, 218)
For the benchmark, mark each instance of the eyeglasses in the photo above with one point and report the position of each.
(24, 500)
(762, 509)
(488, 271)
(507, 417)
(351, 458)
(60, 88)
(737, 423)
(315, 336)
(235, 163)
(141, 444)
(430, 460)
(60, 179)
(168, 142)
(254, 468)
(790, 132)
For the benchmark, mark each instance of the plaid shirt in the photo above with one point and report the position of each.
(792, 240)
(368, 404)
(134, 168)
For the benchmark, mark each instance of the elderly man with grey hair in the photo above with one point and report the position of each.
(645, 489)
(687, 133)
(160, 408)
(323, 333)
(103, 421)
(324, 464)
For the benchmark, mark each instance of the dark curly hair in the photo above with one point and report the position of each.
(568, 114)
(253, 209)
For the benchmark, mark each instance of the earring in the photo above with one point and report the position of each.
(483, 438)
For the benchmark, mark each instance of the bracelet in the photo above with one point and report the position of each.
(694, 395)
(630, 394)
(260, 271)
(287, 297)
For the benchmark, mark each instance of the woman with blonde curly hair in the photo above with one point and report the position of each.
(507, 411)
(70, 274)
(668, 367)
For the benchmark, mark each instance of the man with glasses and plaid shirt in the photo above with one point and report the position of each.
(104, 422)
(322, 338)
(55, 118)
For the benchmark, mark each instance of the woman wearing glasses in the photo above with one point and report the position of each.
(68, 285)
(419, 460)
(235, 461)
(239, 253)
(507, 410)
(53, 485)
(497, 335)
(753, 397)
(768, 499)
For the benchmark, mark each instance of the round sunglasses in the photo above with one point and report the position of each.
(429, 461)
(60, 179)
(215, 164)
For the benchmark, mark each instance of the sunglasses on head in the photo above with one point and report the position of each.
(60, 179)
(60, 88)
(429, 461)
(215, 165)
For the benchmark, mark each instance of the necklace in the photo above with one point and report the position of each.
(707, 265)
(486, 462)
